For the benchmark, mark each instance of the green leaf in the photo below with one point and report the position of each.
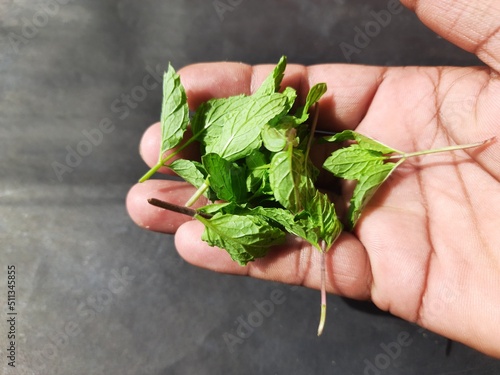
(192, 172)
(257, 160)
(277, 138)
(214, 208)
(364, 162)
(258, 167)
(323, 220)
(362, 140)
(272, 83)
(318, 223)
(274, 138)
(227, 179)
(189, 170)
(231, 126)
(282, 218)
(290, 95)
(314, 95)
(260, 190)
(174, 112)
(211, 115)
(297, 225)
(353, 162)
(289, 178)
(366, 187)
(243, 237)
(239, 131)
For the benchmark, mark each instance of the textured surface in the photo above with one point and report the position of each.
(96, 294)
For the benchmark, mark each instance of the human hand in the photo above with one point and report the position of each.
(427, 247)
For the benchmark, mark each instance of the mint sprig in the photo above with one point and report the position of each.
(370, 163)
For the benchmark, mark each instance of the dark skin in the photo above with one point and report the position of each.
(427, 247)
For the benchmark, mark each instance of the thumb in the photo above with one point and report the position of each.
(471, 25)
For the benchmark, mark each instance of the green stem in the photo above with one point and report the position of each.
(296, 192)
(322, 318)
(152, 171)
(437, 150)
(312, 132)
(198, 193)
(162, 162)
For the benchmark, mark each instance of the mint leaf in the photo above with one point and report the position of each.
(290, 95)
(353, 162)
(258, 170)
(239, 132)
(276, 138)
(365, 162)
(210, 115)
(244, 237)
(364, 141)
(231, 127)
(226, 178)
(192, 172)
(283, 219)
(366, 187)
(214, 208)
(174, 112)
(213, 111)
(314, 95)
(323, 220)
(272, 83)
(189, 170)
(257, 160)
(289, 179)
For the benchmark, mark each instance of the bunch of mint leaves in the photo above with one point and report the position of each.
(255, 164)
(255, 158)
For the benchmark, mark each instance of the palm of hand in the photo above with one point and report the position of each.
(431, 231)
(426, 248)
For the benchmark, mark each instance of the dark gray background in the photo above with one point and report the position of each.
(61, 70)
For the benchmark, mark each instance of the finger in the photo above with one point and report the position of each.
(350, 88)
(348, 270)
(471, 25)
(157, 219)
(149, 148)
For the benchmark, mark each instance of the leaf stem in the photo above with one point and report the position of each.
(152, 171)
(198, 193)
(162, 162)
(322, 318)
(407, 155)
(313, 131)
